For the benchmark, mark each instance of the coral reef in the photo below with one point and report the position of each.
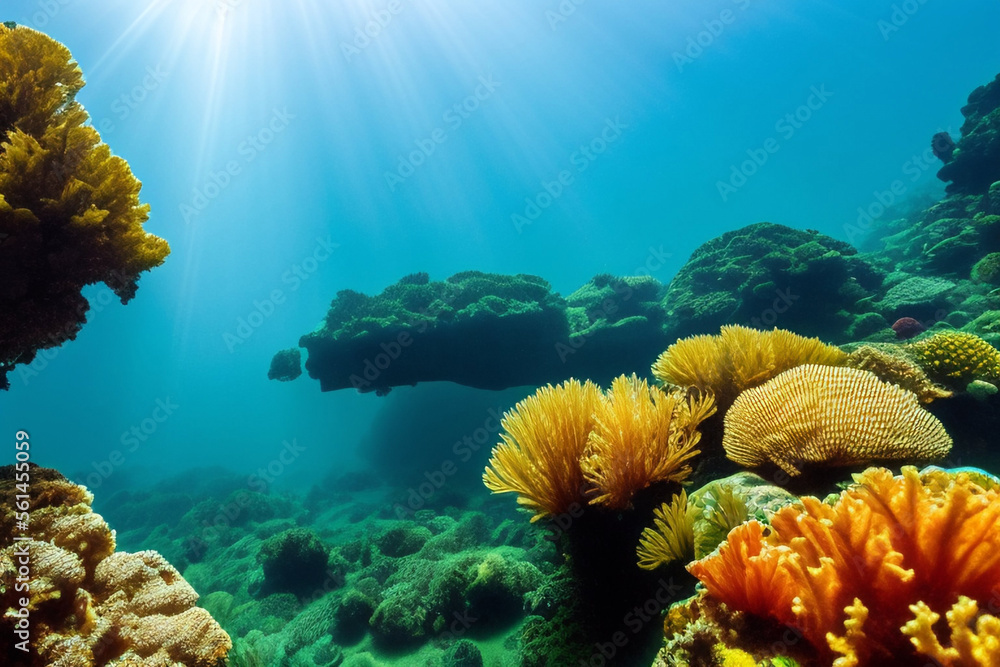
(830, 416)
(87, 604)
(70, 214)
(987, 270)
(294, 561)
(956, 358)
(918, 296)
(861, 576)
(693, 526)
(907, 327)
(766, 273)
(975, 162)
(286, 365)
(739, 358)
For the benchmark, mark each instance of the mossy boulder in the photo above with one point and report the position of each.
(462, 653)
(402, 540)
(485, 330)
(767, 275)
(286, 365)
(433, 597)
(919, 297)
(987, 270)
(351, 616)
(294, 561)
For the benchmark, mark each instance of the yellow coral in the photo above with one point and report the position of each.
(672, 537)
(956, 358)
(70, 213)
(975, 638)
(693, 526)
(543, 440)
(570, 443)
(830, 416)
(641, 435)
(739, 358)
(732, 657)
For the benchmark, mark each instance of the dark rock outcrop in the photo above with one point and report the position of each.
(767, 275)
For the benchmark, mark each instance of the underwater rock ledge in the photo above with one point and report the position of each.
(487, 331)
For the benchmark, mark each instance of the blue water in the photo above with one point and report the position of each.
(269, 137)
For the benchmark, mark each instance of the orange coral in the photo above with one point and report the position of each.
(831, 416)
(642, 435)
(739, 358)
(847, 574)
(543, 440)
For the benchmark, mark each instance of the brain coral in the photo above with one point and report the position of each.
(90, 606)
(830, 416)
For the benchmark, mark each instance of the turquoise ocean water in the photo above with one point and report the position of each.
(290, 149)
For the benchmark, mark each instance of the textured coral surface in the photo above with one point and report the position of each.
(90, 606)
(833, 416)
(862, 576)
(70, 214)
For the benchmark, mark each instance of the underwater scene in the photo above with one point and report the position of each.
(509, 333)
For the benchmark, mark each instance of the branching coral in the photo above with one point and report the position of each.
(830, 416)
(862, 576)
(956, 359)
(542, 441)
(70, 214)
(739, 358)
(571, 444)
(90, 606)
(975, 638)
(641, 435)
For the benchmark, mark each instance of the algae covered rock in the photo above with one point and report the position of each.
(917, 296)
(423, 598)
(975, 162)
(294, 561)
(765, 274)
(286, 365)
(483, 330)
(987, 270)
